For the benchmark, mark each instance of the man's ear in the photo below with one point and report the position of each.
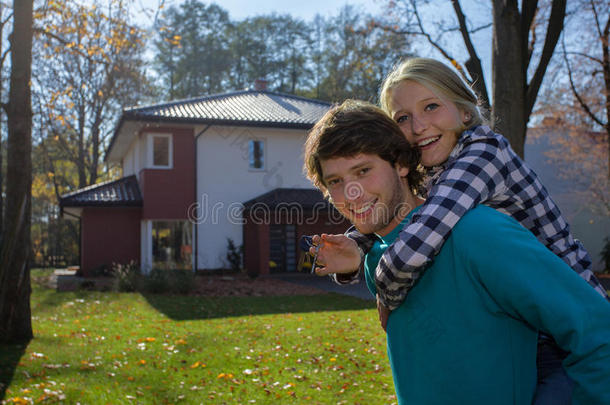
(401, 170)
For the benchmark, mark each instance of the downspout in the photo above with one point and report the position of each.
(196, 238)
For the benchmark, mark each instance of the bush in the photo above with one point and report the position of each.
(155, 282)
(161, 281)
(126, 276)
(181, 281)
(234, 255)
(103, 270)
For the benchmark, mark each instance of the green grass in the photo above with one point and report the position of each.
(110, 348)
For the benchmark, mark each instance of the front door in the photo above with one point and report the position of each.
(282, 245)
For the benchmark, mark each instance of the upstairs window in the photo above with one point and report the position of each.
(256, 153)
(160, 151)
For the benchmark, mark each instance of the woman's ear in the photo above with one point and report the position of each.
(466, 117)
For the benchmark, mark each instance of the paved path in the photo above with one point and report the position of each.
(325, 283)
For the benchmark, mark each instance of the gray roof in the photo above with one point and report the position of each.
(248, 107)
(251, 108)
(124, 192)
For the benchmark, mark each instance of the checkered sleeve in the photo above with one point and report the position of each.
(477, 173)
(365, 243)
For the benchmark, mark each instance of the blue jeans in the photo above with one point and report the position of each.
(554, 386)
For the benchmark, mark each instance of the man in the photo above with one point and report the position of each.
(467, 334)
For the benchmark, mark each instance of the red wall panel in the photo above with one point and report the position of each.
(168, 193)
(109, 235)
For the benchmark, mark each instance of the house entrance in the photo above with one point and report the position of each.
(282, 245)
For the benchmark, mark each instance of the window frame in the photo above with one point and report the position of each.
(151, 151)
(264, 157)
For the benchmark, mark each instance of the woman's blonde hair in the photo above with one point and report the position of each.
(437, 77)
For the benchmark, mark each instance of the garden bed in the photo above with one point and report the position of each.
(204, 285)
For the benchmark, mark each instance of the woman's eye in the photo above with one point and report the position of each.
(333, 182)
(401, 119)
(364, 170)
(432, 107)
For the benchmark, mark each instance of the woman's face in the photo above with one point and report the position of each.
(427, 121)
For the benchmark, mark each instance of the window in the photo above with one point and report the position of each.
(256, 154)
(160, 151)
(172, 245)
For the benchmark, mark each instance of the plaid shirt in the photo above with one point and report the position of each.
(481, 169)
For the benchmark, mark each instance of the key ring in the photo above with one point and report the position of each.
(305, 243)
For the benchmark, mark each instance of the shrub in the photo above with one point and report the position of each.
(103, 270)
(126, 276)
(181, 281)
(155, 282)
(234, 255)
(161, 281)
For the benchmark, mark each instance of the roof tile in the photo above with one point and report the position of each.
(124, 192)
(242, 107)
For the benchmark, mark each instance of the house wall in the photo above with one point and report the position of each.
(109, 235)
(132, 162)
(168, 193)
(225, 182)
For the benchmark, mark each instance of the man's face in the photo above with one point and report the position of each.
(368, 191)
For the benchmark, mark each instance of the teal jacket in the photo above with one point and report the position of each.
(467, 333)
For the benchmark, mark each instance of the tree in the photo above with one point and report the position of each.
(587, 63)
(516, 78)
(354, 56)
(192, 49)
(15, 314)
(574, 110)
(88, 67)
(5, 18)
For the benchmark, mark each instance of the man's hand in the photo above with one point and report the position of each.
(384, 313)
(336, 254)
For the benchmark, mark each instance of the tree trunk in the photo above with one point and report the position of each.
(15, 315)
(1, 157)
(508, 74)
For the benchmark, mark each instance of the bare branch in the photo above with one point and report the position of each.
(473, 64)
(584, 55)
(527, 18)
(553, 32)
(584, 105)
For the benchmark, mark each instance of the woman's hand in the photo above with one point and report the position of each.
(384, 313)
(335, 254)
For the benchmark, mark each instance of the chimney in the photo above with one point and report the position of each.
(260, 84)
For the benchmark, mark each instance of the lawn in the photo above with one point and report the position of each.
(110, 348)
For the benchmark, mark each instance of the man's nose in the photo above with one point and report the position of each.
(353, 191)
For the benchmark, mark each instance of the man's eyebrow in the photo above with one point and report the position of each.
(330, 176)
(351, 169)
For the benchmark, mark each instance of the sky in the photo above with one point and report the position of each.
(240, 9)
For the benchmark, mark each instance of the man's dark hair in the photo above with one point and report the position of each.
(357, 127)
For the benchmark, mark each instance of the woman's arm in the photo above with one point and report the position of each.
(477, 174)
